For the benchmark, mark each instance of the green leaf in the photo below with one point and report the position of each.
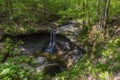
(5, 71)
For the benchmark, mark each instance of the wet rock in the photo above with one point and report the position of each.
(51, 69)
(26, 66)
(40, 61)
(70, 56)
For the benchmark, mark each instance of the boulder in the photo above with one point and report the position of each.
(49, 68)
(40, 61)
(69, 30)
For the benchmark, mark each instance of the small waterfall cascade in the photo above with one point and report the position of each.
(51, 46)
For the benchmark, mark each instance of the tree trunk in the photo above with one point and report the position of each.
(98, 9)
(88, 12)
(9, 5)
(76, 9)
(44, 8)
(83, 14)
(104, 16)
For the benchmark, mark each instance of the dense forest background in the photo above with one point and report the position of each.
(97, 20)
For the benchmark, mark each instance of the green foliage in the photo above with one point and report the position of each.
(10, 48)
(15, 67)
(101, 60)
(102, 67)
(19, 30)
(43, 11)
(114, 8)
(30, 30)
(11, 71)
(9, 30)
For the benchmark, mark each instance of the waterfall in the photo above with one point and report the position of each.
(51, 46)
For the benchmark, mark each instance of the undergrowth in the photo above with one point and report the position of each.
(101, 64)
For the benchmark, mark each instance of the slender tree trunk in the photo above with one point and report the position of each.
(44, 8)
(76, 9)
(83, 14)
(104, 16)
(98, 9)
(88, 12)
(99, 14)
(9, 5)
(106, 11)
